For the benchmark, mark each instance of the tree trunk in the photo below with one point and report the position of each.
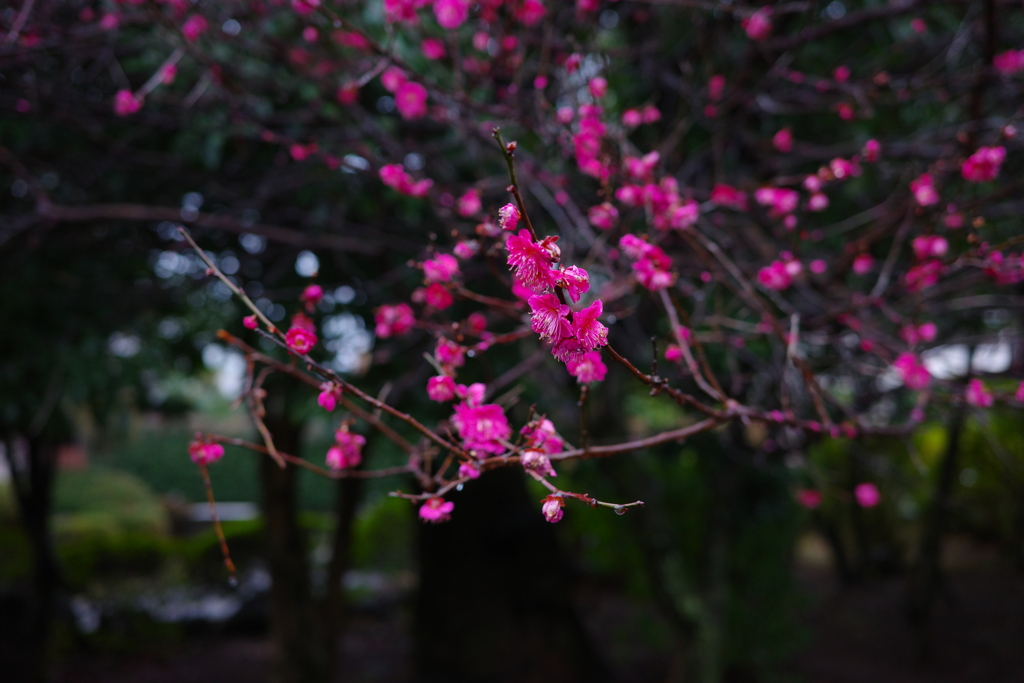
(495, 597)
(346, 499)
(300, 655)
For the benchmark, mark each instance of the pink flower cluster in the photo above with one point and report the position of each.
(603, 216)
(977, 395)
(913, 372)
(588, 368)
(126, 103)
(729, 197)
(436, 510)
(781, 202)
(1009, 62)
(924, 190)
(983, 165)
(667, 208)
(393, 320)
(441, 268)
(482, 428)
(330, 394)
(587, 142)
(569, 340)
(930, 246)
(631, 118)
(348, 452)
(410, 96)
(395, 177)
(650, 263)
(469, 204)
(779, 274)
(926, 332)
(759, 24)
(532, 261)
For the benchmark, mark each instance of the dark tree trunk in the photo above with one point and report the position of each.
(495, 601)
(347, 497)
(32, 478)
(300, 655)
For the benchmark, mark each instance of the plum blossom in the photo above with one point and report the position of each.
(393, 320)
(598, 87)
(547, 312)
(193, 27)
(588, 368)
(759, 24)
(508, 217)
(435, 295)
(775, 276)
(300, 340)
(466, 249)
(1009, 62)
(809, 498)
(538, 463)
(781, 200)
(441, 388)
(250, 322)
(312, 296)
(730, 197)
(441, 268)
(469, 203)
(923, 275)
(393, 78)
(530, 12)
(411, 100)
(924, 190)
(432, 48)
(532, 260)
(450, 354)
(863, 264)
(603, 216)
(482, 428)
(436, 510)
(126, 103)
(685, 215)
(927, 246)
(541, 435)
(977, 395)
(576, 282)
(871, 150)
(451, 14)
(783, 140)
(552, 508)
(631, 118)
(913, 372)
(867, 495)
(348, 451)
(469, 470)
(203, 453)
(330, 394)
(983, 165)
(395, 177)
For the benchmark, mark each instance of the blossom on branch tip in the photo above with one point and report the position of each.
(312, 296)
(871, 150)
(250, 322)
(436, 510)
(437, 296)
(548, 311)
(537, 462)
(126, 103)
(432, 48)
(449, 353)
(441, 268)
(924, 190)
(759, 24)
(541, 436)
(348, 452)
(552, 508)
(300, 340)
(205, 453)
(576, 282)
(532, 260)
(411, 100)
(775, 276)
(469, 470)
(193, 27)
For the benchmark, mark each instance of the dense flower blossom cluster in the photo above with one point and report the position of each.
(394, 320)
(348, 451)
(650, 263)
(983, 165)
(395, 177)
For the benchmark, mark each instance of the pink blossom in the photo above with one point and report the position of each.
(917, 25)
(312, 296)
(441, 388)
(451, 14)
(466, 249)
(540, 82)
(436, 510)
(783, 140)
(126, 103)
(330, 394)
(586, 327)
(477, 322)
(928, 331)
(926, 246)
(845, 168)
(347, 94)
(300, 340)
(508, 217)
(867, 495)
(435, 295)
(348, 452)
(393, 320)
(411, 100)
(1009, 62)
(598, 87)
(588, 368)
(871, 150)
(913, 372)
(552, 508)
(168, 74)
(863, 264)
(303, 7)
(775, 276)
(716, 86)
(310, 34)
(730, 197)
(548, 311)
(818, 266)
(685, 215)
(469, 204)
(781, 200)
(482, 428)
(983, 165)
(302, 320)
(759, 24)
(576, 281)
(193, 27)
(924, 191)
(530, 12)
(400, 10)
(923, 275)
(841, 73)
(393, 78)
(631, 118)
(250, 322)
(1020, 392)
(651, 114)
(809, 498)
(432, 48)
(565, 115)
(977, 395)
(845, 110)
(537, 462)
(450, 354)
(441, 268)
(205, 453)
(603, 216)
(532, 260)
(541, 436)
